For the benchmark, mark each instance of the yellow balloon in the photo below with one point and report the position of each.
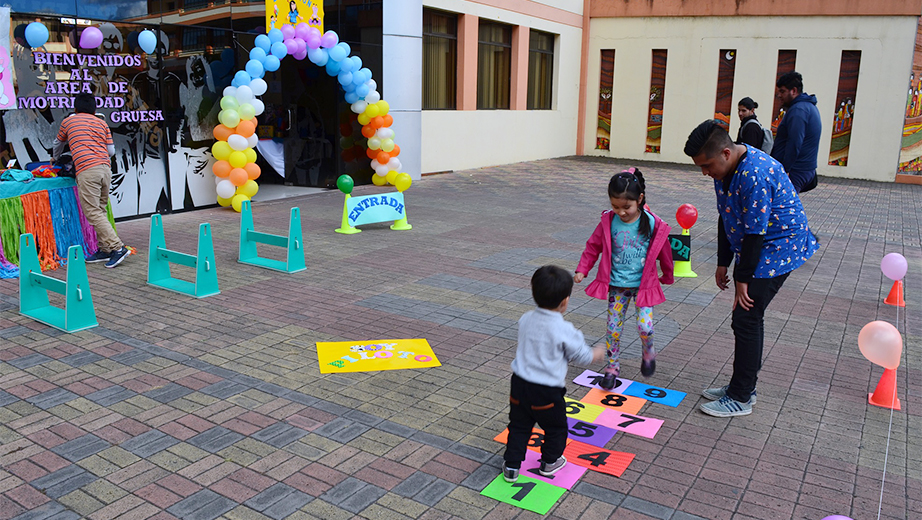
(250, 155)
(220, 150)
(224, 202)
(383, 107)
(237, 159)
(237, 201)
(249, 189)
(392, 176)
(372, 111)
(403, 182)
(363, 119)
(378, 180)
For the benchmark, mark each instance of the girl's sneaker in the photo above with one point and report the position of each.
(610, 375)
(647, 368)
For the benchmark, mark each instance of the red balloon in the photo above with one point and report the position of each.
(686, 216)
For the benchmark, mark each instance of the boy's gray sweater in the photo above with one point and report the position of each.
(547, 342)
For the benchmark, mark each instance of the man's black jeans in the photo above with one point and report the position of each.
(530, 403)
(749, 332)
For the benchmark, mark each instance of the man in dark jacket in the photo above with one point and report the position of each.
(798, 139)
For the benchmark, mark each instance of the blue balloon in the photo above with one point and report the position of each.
(255, 69)
(351, 97)
(279, 50)
(345, 78)
(275, 36)
(367, 72)
(347, 66)
(349, 87)
(272, 63)
(258, 54)
(345, 46)
(235, 83)
(362, 90)
(263, 42)
(242, 77)
(357, 61)
(147, 41)
(358, 77)
(333, 68)
(338, 53)
(36, 34)
(318, 56)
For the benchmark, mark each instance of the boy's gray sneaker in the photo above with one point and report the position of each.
(510, 474)
(716, 393)
(726, 406)
(548, 469)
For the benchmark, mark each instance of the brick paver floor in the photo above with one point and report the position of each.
(215, 408)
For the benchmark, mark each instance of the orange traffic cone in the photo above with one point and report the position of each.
(885, 393)
(896, 295)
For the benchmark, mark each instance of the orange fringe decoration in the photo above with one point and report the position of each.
(36, 209)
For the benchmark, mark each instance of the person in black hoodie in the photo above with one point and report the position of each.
(798, 139)
(749, 133)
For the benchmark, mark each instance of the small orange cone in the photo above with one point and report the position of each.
(885, 393)
(896, 295)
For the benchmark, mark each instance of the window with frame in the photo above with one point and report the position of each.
(494, 66)
(440, 60)
(540, 70)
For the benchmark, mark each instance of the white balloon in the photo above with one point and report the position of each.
(372, 97)
(259, 86)
(394, 164)
(237, 142)
(372, 85)
(244, 94)
(258, 106)
(359, 106)
(230, 91)
(384, 133)
(382, 170)
(252, 141)
(225, 189)
(375, 164)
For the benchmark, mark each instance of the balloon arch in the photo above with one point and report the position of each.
(236, 170)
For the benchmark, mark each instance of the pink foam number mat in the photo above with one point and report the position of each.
(566, 477)
(633, 424)
(589, 433)
(592, 379)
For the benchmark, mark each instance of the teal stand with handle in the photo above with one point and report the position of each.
(78, 312)
(249, 237)
(160, 258)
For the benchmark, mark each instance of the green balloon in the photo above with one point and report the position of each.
(345, 184)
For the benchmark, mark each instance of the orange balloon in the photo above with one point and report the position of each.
(368, 131)
(372, 154)
(383, 157)
(395, 152)
(253, 170)
(239, 177)
(222, 168)
(254, 121)
(388, 120)
(246, 128)
(221, 132)
(377, 121)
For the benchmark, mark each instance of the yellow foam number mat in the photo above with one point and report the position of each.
(381, 354)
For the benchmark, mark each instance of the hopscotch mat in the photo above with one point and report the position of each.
(592, 422)
(369, 356)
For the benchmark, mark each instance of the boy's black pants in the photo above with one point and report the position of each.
(530, 403)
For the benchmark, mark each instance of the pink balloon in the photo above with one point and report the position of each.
(881, 344)
(90, 38)
(301, 45)
(894, 266)
(302, 30)
(329, 40)
(313, 41)
(300, 55)
(288, 31)
(313, 31)
(291, 46)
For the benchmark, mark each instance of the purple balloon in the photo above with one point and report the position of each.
(288, 31)
(302, 30)
(313, 41)
(300, 55)
(302, 45)
(894, 266)
(837, 517)
(90, 38)
(291, 46)
(329, 40)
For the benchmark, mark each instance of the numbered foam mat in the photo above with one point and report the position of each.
(565, 477)
(598, 459)
(592, 380)
(633, 424)
(582, 411)
(534, 442)
(527, 493)
(588, 433)
(657, 395)
(610, 401)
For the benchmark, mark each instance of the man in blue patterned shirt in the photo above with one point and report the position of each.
(763, 225)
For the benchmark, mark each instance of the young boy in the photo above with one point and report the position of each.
(546, 343)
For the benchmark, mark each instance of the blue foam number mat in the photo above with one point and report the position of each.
(655, 394)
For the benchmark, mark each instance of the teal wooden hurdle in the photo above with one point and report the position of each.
(159, 259)
(78, 312)
(249, 238)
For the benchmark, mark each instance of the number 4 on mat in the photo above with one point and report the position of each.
(598, 459)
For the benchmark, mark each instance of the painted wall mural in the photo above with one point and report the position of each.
(787, 60)
(726, 71)
(845, 108)
(911, 144)
(657, 95)
(606, 80)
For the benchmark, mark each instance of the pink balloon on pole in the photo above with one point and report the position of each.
(894, 266)
(881, 344)
(90, 38)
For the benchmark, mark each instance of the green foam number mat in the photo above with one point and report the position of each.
(527, 493)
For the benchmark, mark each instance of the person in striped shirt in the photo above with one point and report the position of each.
(91, 147)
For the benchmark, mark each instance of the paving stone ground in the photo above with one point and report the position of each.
(215, 408)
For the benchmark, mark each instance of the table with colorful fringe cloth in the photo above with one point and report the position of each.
(50, 210)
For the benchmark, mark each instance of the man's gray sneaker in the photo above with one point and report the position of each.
(726, 406)
(716, 393)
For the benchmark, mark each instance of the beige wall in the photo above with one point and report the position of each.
(691, 79)
(470, 138)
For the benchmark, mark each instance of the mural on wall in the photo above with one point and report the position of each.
(657, 93)
(787, 60)
(606, 80)
(294, 12)
(726, 71)
(845, 108)
(911, 145)
(7, 93)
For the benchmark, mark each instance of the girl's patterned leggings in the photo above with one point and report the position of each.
(618, 300)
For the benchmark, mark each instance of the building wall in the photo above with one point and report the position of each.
(693, 44)
(470, 138)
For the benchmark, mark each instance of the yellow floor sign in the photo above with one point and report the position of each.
(368, 356)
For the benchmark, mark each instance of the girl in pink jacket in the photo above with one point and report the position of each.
(629, 239)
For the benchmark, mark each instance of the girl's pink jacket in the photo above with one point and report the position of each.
(650, 292)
